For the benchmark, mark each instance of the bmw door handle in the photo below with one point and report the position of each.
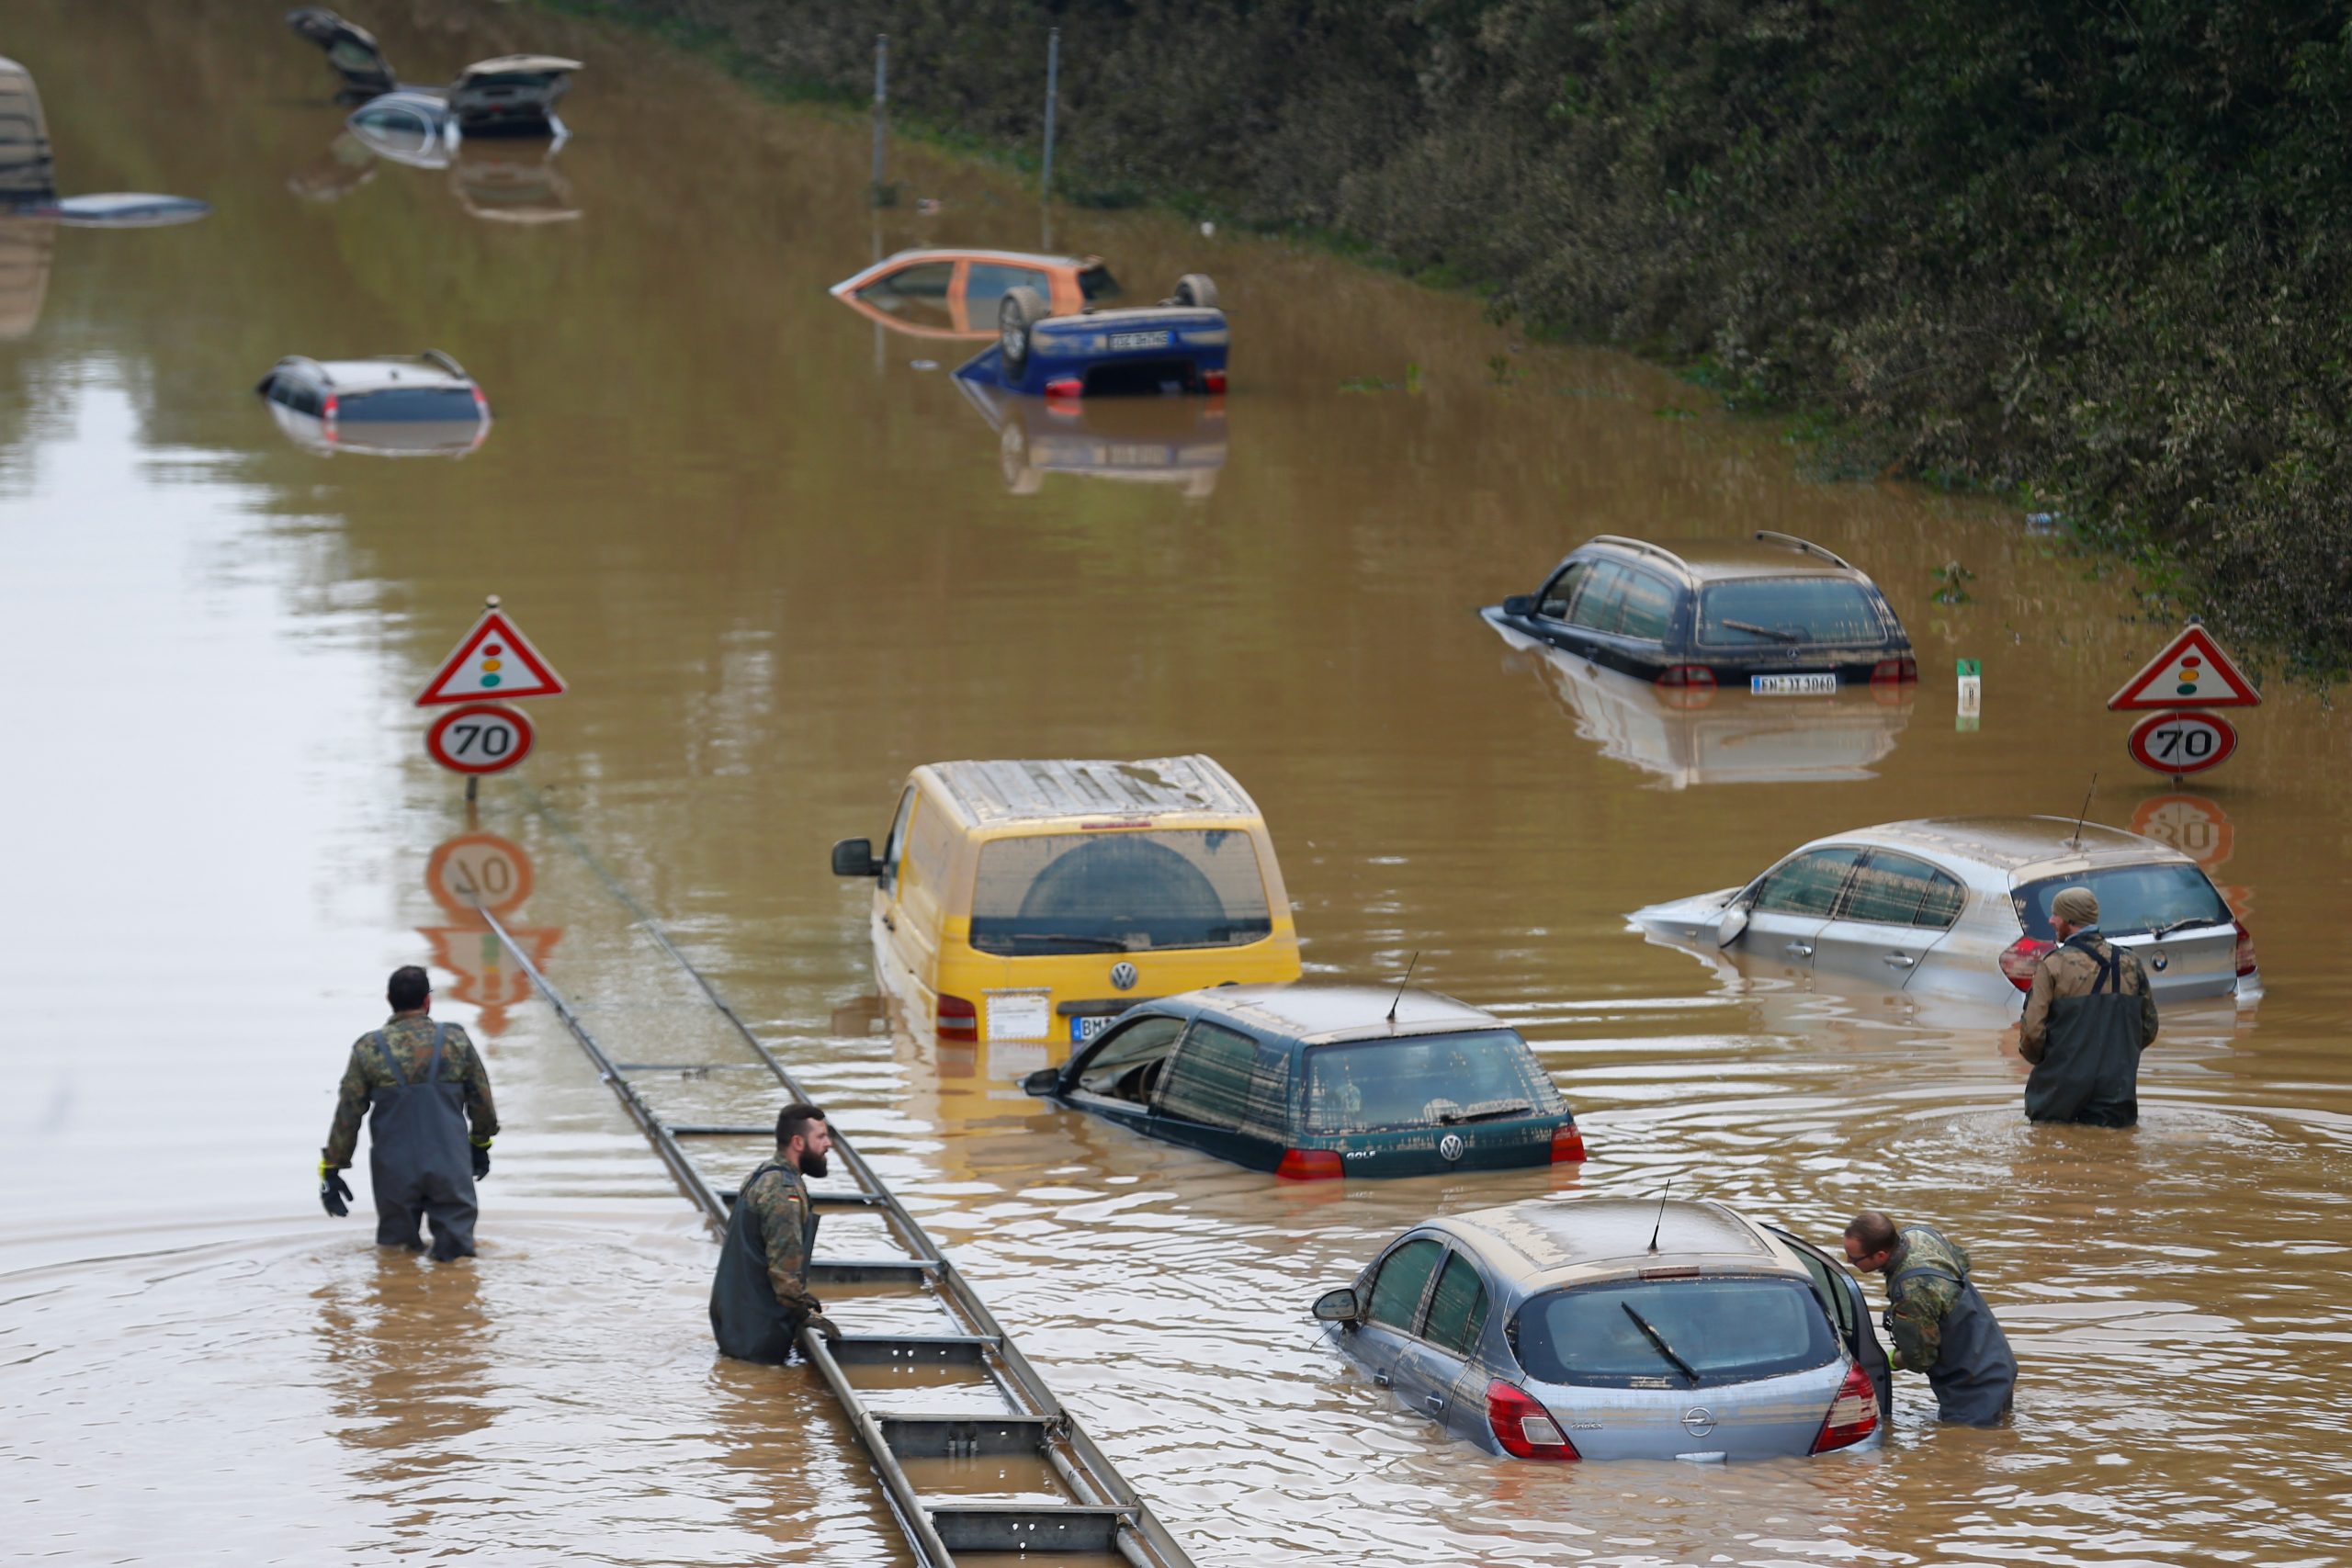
(1799, 950)
(1381, 1379)
(1435, 1402)
(1900, 961)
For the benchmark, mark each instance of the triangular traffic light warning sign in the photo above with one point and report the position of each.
(2191, 672)
(492, 661)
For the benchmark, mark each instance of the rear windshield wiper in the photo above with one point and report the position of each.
(1093, 944)
(1775, 633)
(1659, 1340)
(2181, 925)
(1486, 1112)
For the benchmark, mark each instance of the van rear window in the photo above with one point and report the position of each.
(1725, 1330)
(1788, 611)
(2131, 900)
(417, 404)
(1125, 892)
(1436, 1080)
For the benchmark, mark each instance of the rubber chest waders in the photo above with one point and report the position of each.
(418, 1157)
(746, 1319)
(2089, 1072)
(1974, 1376)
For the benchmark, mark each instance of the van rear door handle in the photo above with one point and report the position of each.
(888, 924)
(1799, 950)
(1900, 959)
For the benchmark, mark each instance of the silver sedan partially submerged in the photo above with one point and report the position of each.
(1617, 1328)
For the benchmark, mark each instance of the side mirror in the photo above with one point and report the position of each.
(1734, 921)
(1338, 1306)
(1520, 604)
(1044, 1080)
(854, 857)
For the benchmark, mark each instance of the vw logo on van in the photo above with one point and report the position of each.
(1698, 1420)
(1449, 1146)
(1123, 976)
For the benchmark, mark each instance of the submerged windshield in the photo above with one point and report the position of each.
(2132, 899)
(1125, 892)
(1435, 1081)
(1772, 612)
(1677, 1333)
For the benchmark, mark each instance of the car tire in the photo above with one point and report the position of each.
(1020, 310)
(1195, 290)
(1020, 477)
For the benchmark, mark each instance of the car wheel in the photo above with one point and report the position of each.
(1020, 310)
(1012, 449)
(1194, 289)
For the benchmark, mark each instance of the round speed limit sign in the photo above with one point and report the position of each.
(2180, 743)
(479, 737)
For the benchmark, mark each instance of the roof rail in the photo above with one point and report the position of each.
(1641, 546)
(435, 357)
(1803, 547)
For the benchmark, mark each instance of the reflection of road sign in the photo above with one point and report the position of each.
(2180, 743)
(479, 871)
(492, 661)
(2191, 672)
(481, 738)
(2189, 823)
(485, 979)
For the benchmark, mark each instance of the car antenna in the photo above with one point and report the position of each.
(1400, 987)
(1661, 1215)
(2077, 839)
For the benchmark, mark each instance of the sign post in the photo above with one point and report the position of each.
(493, 660)
(1969, 672)
(2190, 675)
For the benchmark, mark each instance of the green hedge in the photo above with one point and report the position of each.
(2093, 254)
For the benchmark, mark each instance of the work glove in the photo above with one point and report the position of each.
(828, 1327)
(334, 1193)
(482, 1159)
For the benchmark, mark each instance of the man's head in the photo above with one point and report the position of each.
(2074, 909)
(802, 1139)
(409, 989)
(1870, 1241)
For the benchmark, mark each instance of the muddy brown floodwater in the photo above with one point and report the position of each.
(781, 562)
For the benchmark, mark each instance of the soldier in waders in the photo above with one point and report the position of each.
(419, 1084)
(1939, 1322)
(2087, 1018)
(759, 1298)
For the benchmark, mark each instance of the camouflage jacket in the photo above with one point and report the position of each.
(411, 1037)
(1915, 1312)
(776, 1204)
(2071, 970)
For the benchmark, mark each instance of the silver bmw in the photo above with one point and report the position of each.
(1617, 1328)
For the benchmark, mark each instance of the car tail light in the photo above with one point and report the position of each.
(1567, 1146)
(2021, 957)
(1066, 386)
(482, 404)
(2245, 951)
(1213, 381)
(334, 403)
(1309, 1165)
(1523, 1426)
(1682, 675)
(1893, 669)
(1853, 1415)
(958, 1020)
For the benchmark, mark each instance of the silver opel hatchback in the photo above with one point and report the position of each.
(1617, 1328)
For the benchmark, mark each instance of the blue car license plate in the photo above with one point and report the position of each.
(1082, 1030)
(1159, 339)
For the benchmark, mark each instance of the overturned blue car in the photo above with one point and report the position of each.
(1177, 345)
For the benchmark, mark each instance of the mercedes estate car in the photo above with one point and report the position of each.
(1617, 1328)
(1774, 614)
(1316, 1080)
(1961, 906)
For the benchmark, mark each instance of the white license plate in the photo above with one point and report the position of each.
(1139, 340)
(1823, 685)
(1082, 1030)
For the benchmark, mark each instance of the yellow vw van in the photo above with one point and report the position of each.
(1037, 901)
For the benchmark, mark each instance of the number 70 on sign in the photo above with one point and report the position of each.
(479, 737)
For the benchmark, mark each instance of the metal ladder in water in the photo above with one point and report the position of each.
(1104, 1517)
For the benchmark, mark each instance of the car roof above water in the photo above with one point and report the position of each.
(1763, 554)
(431, 369)
(1322, 1014)
(2024, 847)
(1546, 1242)
(1163, 790)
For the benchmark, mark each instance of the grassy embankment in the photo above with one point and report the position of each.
(2091, 257)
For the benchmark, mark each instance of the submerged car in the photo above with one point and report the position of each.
(1181, 443)
(29, 171)
(1617, 1328)
(1177, 345)
(392, 406)
(1775, 614)
(1038, 900)
(943, 293)
(1323, 1080)
(1961, 906)
(513, 94)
